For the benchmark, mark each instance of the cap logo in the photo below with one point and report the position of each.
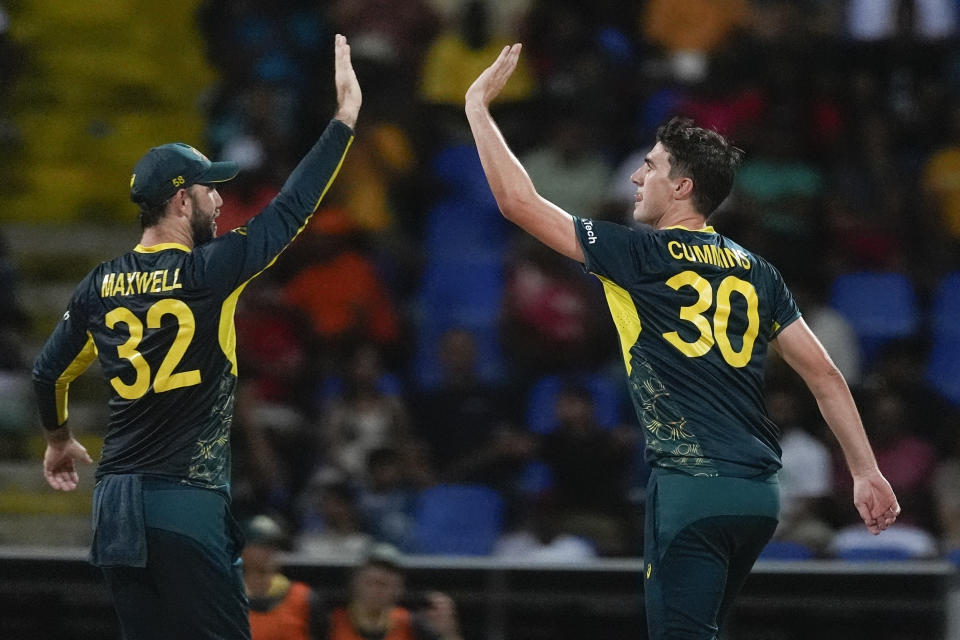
(178, 181)
(198, 154)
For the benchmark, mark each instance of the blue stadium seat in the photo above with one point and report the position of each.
(466, 295)
(879, 307)
(460, 520)
(874, 554)
(954, 556)
(784, 550)
(542, 400)
(945, 308)
(943, 367)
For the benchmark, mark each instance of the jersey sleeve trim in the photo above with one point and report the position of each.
(777, 327)
(625, 317)
(227, 333)
(62, 386)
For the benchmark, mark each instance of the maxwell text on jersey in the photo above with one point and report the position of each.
(128, 284)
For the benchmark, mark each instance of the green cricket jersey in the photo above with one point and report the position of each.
(160, 321)
(695, 313)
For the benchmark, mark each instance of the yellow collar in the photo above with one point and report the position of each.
(163, 246)
(706, 229)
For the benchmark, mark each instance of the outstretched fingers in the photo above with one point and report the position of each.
(349, 96)
(491, 82)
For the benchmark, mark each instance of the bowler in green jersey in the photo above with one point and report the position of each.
(160, 321)
(695, 313)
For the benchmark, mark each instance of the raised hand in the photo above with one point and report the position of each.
(59, 463)
(349, 95)
(875, 501)
(491, 82)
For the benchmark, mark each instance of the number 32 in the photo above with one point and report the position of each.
(166, 379)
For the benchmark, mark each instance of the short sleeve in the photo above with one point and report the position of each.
(784, 309)
(609, 249)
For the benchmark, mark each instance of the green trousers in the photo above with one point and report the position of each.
(702, 536)
(192, 586)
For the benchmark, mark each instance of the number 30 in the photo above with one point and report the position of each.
(166, 379)
(718, 333)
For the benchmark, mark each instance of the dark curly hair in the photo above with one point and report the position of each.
(702, 155)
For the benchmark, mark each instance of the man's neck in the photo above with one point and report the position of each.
(685, 217)
(165, 233)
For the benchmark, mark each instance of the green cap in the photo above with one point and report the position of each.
(165, 169)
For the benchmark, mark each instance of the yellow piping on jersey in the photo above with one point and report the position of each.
(707, 229)
(74, 369)
(625, 317)
(163, 246)
(227, 332)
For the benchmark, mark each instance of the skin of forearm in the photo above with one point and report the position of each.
(840, 412)
(509, 182)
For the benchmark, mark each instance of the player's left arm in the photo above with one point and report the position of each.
(67, 353)
(236, 257)
(872, 494)
(511, 186)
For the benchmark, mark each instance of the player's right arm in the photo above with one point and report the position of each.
(511, 186)
(872, 494)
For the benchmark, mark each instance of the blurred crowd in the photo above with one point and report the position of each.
(413, 355)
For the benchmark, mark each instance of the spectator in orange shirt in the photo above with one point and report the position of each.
(340, 291)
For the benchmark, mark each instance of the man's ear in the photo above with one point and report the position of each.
(181, 202)
(683, 188)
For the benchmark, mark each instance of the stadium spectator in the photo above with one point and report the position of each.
(806, 479)
(339, 289)
(541, 537)
(589, 466)
(392, 34)
(331, 527)
(467, 423)
(363, 417)
(459, 52)
(706, 26)
(568, 165)
(387, 497)
(547, 323)
(940, 186)
(374, 609)
(907, 457)
(280, 609)
(946, 479)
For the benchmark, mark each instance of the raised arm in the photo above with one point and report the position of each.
(872, 494)
(514, 191)
(234, 258)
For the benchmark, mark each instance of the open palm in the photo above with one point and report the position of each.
(491, 82)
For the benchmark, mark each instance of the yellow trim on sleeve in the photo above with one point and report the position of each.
(74, 369)
(227, 333)
(333, 177)
(625, 317)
